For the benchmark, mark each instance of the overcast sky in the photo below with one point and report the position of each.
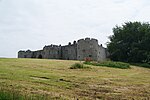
(32, 24)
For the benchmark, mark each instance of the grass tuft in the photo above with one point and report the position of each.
(78, 66)
(11, 95)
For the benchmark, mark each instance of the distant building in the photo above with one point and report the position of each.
(80, 50)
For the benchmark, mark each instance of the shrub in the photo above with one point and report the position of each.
(78, 66)
(110, 64)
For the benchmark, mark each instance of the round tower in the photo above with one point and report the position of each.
(87, 48)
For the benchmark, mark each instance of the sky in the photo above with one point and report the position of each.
(32, 24)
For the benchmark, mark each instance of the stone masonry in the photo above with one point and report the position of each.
(80, 50)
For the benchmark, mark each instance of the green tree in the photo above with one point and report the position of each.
(130, 43)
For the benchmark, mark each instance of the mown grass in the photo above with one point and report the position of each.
(110, 64)
(54, 80)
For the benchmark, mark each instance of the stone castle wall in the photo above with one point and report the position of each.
(79, 50)
(87, 48)
(52, 52)
(69, 52)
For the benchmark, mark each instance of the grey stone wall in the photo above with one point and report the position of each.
(21, 54)
(102, 53)
(52, 52)
(87, 48)
(30, 54)
(38, 54)
(69, 52)
(79, 50)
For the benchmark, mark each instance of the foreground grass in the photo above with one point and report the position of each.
(53, 79)
(15, 95)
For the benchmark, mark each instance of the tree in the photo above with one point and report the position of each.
(130, 43)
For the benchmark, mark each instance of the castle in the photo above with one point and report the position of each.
(80, 50)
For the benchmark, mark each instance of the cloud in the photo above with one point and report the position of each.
(31, 24)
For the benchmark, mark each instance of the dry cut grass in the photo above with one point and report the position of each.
(53, 79)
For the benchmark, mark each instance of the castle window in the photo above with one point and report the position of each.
(83, 50)
(66, 50)
(40, 56)
(90, 55)
(25, 56)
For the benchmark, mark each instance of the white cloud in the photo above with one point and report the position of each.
(30, 24)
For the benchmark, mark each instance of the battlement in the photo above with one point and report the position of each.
(88, 39)
(92, 39)
(51, 46)
(80, 40)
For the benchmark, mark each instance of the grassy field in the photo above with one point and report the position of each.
(53, 79)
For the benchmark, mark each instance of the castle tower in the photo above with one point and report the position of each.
(87, 48)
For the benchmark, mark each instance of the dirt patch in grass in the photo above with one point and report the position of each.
(64, 80)
(39, 77)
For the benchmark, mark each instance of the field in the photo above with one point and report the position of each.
(53, 79)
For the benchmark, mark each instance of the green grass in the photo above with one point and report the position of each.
(15, 95)
(5, 95)
(110, 64)
(39, 79)
(79, 66)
